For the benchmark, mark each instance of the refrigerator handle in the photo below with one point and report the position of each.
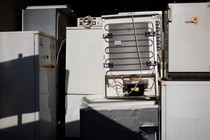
(66, 102)
(169, 15)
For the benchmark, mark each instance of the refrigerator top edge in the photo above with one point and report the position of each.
(184, 4)
(64, 11)
(141, 13)
(100, 101)
(82, 28)
(136, 14)
(28, 32)
(182, 83)
(48, 7)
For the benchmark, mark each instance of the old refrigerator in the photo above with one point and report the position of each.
(27, 86)
(130, 49)
(84, 72)
(52, 20)
(187, 40)
(185, 110)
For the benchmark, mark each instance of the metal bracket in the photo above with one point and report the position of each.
(158, 48)
(151, 63)
(148, 34)
(108, 65)
(169, 15)
(109, 35)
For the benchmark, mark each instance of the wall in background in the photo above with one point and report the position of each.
(10, 10)
(10, 14)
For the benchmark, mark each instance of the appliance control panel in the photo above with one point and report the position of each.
(47, 51)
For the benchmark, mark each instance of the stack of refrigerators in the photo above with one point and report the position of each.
(185, 90)
(138, 87)
(32, 92)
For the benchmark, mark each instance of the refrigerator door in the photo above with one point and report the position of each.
(84, 72)
(185, 110)
(189, 31)
(84, 64)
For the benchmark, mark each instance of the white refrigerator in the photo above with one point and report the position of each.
(130, 45)
(27, 86)
(185, 111)
(84, 72)
(187, 40)
(50, 19)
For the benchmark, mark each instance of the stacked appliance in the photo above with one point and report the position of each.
(84, 71)
(53, 20)
(28, 86)
(185, 91)
(187, 43)
(50, 19)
